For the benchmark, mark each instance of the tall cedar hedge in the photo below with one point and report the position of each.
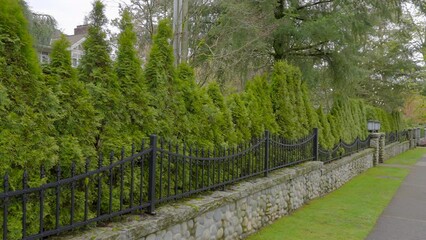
(121, 102)
(76, 119)
(171, 122)
(96, 71)
(60, 115)
(28, 107)
(27, 104)
(138, 116)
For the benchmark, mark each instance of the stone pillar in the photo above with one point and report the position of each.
(412, 139)
(423, 139)
(382, 144)
(375, 143)
(417, 136)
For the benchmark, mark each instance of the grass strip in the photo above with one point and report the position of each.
(349, 212)
(407, 158)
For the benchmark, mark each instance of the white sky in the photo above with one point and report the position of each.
(70, 13)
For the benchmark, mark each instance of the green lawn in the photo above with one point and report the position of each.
(409, 159)
(347, 213)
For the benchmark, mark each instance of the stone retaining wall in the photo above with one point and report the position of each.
(241, 209)
(394, 149)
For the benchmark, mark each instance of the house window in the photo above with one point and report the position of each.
(44, 57)
(74, 62)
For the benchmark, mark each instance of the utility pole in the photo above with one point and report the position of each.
(184, 42)
(180, 31)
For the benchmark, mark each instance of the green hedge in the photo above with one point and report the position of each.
(58, 116)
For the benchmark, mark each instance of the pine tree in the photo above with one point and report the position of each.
(138, 116)
(96, 71)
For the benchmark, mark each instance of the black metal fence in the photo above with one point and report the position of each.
(397, 136)
(343, 149)
(152, 174)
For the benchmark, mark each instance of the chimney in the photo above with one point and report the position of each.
(81, 29)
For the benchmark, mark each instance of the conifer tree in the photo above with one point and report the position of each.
(202, 113)
(138, 116)
(326, 138)
(160, 74)
(398, 125)
(96, 71)
(240, 117)
(301, 111)
(27, 105)
(356, 113)
(384, 119)
(207, 116)
(76, 126)
(312, 118)
(187, 85)
(348, 122)
(27, 109)
(336, 128)
(159, 71)
(224, 119)
(351, 118)
(363, 120)
(282, 101)
(259, 103)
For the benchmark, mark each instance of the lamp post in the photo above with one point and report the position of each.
(373, 126)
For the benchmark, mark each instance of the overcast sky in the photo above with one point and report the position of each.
(70, 13)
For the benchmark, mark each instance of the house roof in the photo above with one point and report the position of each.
(79, 36)
(75, 38)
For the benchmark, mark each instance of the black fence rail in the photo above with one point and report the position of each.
(391, 137)
(151, 174)
(403, 136)
(343, 149)
(182, 171)
(397, 136)
(287, 153)
(68, 203)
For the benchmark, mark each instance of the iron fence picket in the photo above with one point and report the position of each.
(391, 137)
(5, 204)
(72, 194)
(173, 171)
(41, 194)
(343, 149)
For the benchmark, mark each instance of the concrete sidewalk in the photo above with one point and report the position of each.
(405, 216)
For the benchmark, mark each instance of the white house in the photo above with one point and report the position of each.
(76, 47)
